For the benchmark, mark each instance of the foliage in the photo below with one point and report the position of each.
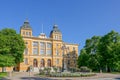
(101, 52)
(84, 69)
(55, 69)
(47, 70)
(6, 61)
(3, 74)
(83, 58)
(72, 74)
(11, 47)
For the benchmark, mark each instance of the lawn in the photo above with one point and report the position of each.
(3, 74)
(115, 72)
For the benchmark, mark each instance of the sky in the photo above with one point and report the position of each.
(78, 20)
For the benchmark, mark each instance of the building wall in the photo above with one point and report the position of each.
(56, 57)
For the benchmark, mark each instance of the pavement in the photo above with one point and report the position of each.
(31, 76)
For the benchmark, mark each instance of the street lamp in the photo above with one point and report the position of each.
(64, 61)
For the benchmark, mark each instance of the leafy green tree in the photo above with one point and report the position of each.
(11, 47)
(109, 51)
(103, 51)
(83, 58)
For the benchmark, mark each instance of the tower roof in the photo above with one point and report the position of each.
(26, 25)
(55, 29)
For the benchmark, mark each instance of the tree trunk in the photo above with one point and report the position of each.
(109, 70)
(106, 68)
(3, 69)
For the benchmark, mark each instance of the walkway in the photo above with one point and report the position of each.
(27, 76)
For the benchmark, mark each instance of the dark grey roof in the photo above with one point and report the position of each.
(55, 29)
(26, 25)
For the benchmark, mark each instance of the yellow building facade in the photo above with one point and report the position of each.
(43, 51)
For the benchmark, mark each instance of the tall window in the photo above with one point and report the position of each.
(42, 51)
(35, 63)
(35, 44)
(42, 63)
(42, 47)
(26, 51)
(25, 60)
(49, 45)
(35, 51)
(49, 48)
(57, 61)
(49, 52)
(49, 63)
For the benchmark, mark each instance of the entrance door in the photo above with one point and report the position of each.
(42, 63)
(49, 63)
(35, 63)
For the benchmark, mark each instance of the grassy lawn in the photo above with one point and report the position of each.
(115, 72)
(3, 74)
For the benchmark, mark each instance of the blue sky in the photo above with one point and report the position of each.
(78, 20)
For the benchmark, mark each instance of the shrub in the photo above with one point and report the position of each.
(84, 69)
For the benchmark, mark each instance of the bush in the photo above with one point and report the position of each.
(70, 75)
(85, 69)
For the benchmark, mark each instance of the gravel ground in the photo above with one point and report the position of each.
(27, 76)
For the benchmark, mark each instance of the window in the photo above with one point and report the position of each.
(56, 37)
(29, 33)
(42, 45)
(57, 52)
(26, 42)
(35, 44)
(25, 60)
(57, 61)
(35, 51)
(23, 32)
(49, 45)
(73, 48)
(42, 51)
(26, 51)
(49, 52)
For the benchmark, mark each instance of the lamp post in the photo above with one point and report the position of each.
(64, 61)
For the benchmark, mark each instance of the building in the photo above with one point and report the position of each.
(43, 51)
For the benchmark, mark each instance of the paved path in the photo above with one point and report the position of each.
(27, 76)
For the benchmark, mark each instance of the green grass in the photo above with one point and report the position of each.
(115, 72)
(3, 74)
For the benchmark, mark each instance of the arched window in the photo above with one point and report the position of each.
(42, 63)
(35, 63)
(49, 63)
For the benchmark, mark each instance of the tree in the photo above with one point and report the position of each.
(103, 51)
(109, 51)
(11, 47)
(83, 58)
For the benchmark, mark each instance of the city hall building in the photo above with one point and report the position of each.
(43, 51)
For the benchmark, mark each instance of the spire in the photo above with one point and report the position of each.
(42, 35)
(42, 28)
(55, 29)
(26, 21)
(26, 25)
